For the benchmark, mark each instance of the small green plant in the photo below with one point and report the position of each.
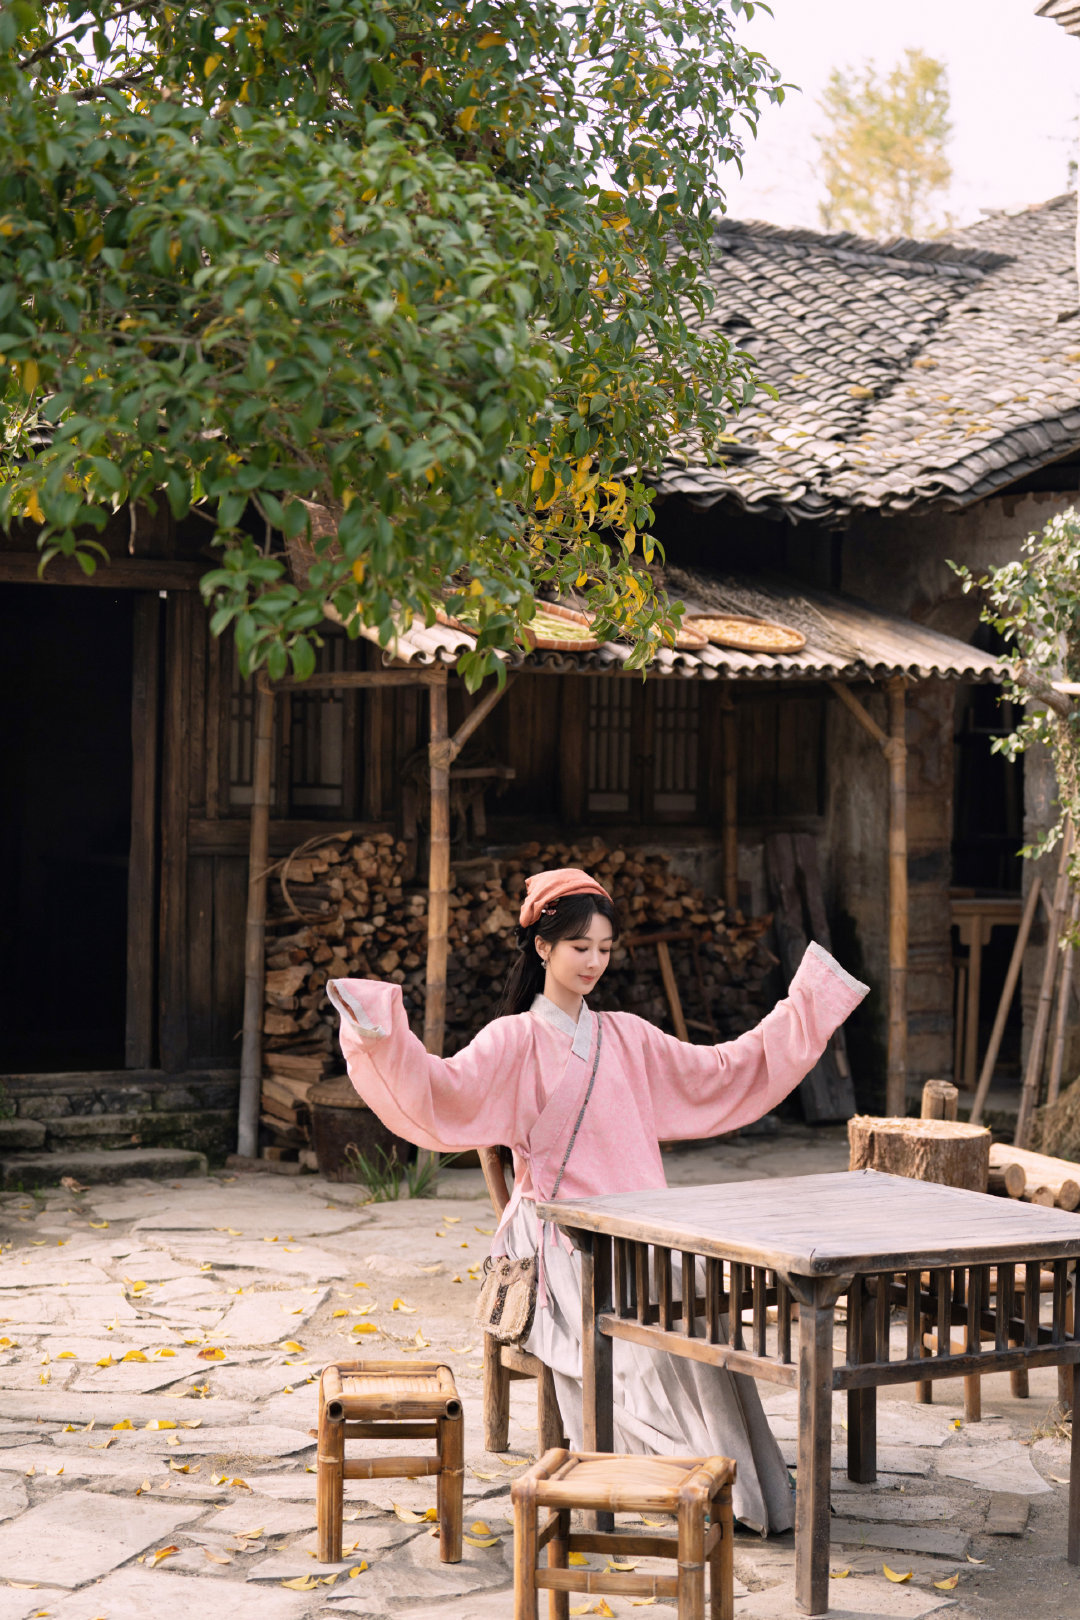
(383, 1173)
(7, 1104)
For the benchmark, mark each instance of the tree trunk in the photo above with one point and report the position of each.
(925, 1149)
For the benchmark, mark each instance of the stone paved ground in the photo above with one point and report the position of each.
(158, 1351)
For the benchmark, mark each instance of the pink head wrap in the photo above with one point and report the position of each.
(544, 888)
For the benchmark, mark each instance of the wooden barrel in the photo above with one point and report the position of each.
(340, 1119)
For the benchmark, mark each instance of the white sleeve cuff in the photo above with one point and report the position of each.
(351, 1009)
(853, 984)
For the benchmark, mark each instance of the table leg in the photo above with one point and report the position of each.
(817, 1298)
(597, 1368)
(862, 1403)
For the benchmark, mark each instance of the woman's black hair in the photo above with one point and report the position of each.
(566, 918)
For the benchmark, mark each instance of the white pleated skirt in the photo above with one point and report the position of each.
(664, 1405)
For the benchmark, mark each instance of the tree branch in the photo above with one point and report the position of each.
(1042, 690)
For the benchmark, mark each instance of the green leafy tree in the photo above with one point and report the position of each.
(436, 268)
(884, 159)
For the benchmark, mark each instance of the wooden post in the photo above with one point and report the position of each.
(986, 1074)
(255, 931)
(1029, 1095)
(730, 754)
(439, 754)
(939, 1100)
(142, 857)
(1057, 1061)
(896, 1074)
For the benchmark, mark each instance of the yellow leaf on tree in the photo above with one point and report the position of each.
(30, 376)
(948, 1583)
(466, 118)
(891, 1575)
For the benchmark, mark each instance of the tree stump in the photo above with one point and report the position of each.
(939, 1150)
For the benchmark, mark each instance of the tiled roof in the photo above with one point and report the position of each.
(846, 640)
(907, 372)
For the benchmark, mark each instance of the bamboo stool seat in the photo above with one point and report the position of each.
(696, 1490)
(389, 1400)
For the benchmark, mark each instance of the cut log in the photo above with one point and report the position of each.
(1006, 1180)
(940, 1150)
(1041, 1172)
(940, 1099)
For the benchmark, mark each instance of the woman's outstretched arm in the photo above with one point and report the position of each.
(469, 1100)
(706, 1090)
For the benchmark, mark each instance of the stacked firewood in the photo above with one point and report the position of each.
(342, 910)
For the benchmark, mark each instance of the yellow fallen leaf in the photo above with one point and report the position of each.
(137, 1287)
(580, 1608)
(69, 1428)
(8, 1344)
(358, 1569)
(103, 1445)
(106, 1361)
(125, 1424)
(400, 1305)
(66, 1355)
(191, 1423)
(604, 1608)
(481, 1541)
(328, 1580)
(217, 1558)
(451, 1220)
(163, 1352)
(302, 1583)
(363, 1327)
(182, 1468)
(364, 1310)
(479, 1528)
(974, 1560)
(407, 1516)
(240, 1484)
(361, 1285)
(172, 1439)
(891, 1575)
(133, 1355)
(642, 1603)
(270, 1240)
(161, 1423)
(576, 1559)
(212, 1352)
(339, 1313)
(478, 1475)
(485, 1231)
(420, 1342)
(24, 1586)
(99, 1226)
(839, 1574)
(957, 1423)
(294, 1346)
(612, 1566)
(162, 1552)
(455, 1279)
(1057, 1479)
(948, 1584)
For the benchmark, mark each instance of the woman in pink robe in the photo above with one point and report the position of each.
(532, 1080)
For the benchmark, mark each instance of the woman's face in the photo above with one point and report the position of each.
(576, 964)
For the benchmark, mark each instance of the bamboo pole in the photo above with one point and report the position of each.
(439, 754)
(896, 1073)
(1057, 1060)
(1033, 1073)
(730, 835)
(986, 1074)
(255, 927)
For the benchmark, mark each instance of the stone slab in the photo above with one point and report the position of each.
(245, 1516)
(1051, 1457)
(152, 1594)
(15, 1605)
(909, 1460)
(74, 1406)
(253, 1214)
(1006, 1467)
(907, 1538)
(51, 1268)
(79, 1536)
(12, 1500)
(417, 1574)
(229, 1255)
(857, 1598)
(268, 1317)
(22, 1134)
(1007, 1514)
(101, 1165)
(895, 1507)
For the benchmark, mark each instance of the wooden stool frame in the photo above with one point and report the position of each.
(705, 1492)
(402, 1414)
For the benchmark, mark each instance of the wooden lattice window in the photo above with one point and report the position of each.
(314, 767)
(643, 750)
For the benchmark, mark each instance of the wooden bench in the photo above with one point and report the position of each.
(695, 1490)
(389, 1400)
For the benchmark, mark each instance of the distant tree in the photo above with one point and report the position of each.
(884, 158)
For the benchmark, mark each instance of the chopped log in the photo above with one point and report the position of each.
(940, 1099)
(941, 1150)
(1060, 1177)
(1006, 1180)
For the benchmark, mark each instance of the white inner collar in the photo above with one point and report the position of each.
(580, 1032)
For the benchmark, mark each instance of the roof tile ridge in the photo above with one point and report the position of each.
(909, 248)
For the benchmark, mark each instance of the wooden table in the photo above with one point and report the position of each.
(974, 918)
(812, 1239)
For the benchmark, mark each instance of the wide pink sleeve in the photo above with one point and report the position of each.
(469, 1100)
(707, 1090)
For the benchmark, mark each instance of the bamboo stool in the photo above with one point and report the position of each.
(389, 1400)
(692, 1488)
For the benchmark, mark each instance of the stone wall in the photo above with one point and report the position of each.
(67, 1113)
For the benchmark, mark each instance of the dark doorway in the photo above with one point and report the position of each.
(65, 825)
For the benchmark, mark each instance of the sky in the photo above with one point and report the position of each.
(1014, 80)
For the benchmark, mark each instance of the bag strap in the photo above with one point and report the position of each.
(581, 1112)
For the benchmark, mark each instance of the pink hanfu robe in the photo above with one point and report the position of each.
(521, 1083)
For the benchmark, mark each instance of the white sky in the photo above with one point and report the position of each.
(1014, 78)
